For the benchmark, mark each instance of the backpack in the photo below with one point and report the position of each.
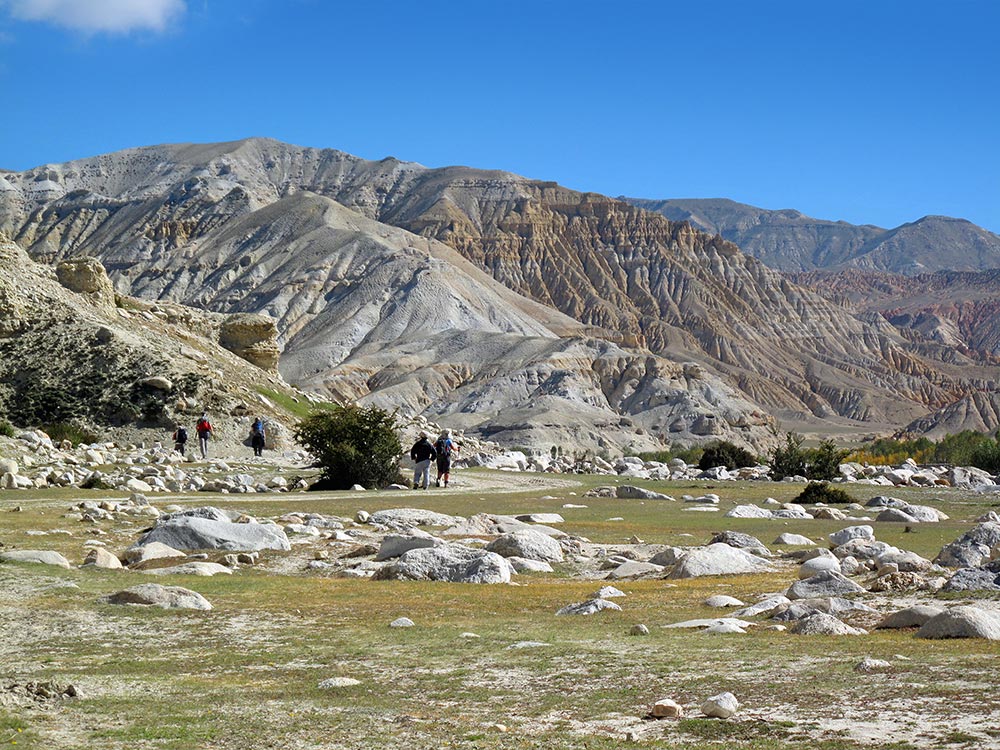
(181, 435)
(443, 447)
(203, 426)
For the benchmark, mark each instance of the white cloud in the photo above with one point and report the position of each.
(113, 16)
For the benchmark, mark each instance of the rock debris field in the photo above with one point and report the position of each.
(220, 604)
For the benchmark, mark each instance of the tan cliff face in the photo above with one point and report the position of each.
(251, 226)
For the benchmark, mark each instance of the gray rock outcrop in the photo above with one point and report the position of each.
(450, 562)
(165, 597)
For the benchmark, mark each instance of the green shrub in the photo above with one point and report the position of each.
(353, 445)
(986, 456)
(726, 454)
(690, 456)
(824, 462)
(821, 492)
(6, 428)
(789, 460)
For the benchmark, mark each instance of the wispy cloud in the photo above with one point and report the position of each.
(93, 16)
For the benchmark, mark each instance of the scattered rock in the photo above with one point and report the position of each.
(165, 597)
(589, 607)
(721, 706)
(39, 557)
(962, 622)
(823, 624)
(665, 708)
(401, 622)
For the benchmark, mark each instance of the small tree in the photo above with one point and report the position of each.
(726, 454)
(789, 460)
(353, 445)
(824, 461)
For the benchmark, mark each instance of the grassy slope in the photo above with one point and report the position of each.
(246, 674)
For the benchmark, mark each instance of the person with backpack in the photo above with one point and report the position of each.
(180, 439)
(422, 454)
(257, 436)
(204, 430)
(444, 447)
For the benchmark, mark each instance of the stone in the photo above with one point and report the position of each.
(39, 557)
(357, 488)
(608, 592)
(86, 275)
(794, 540)
(394, 545)
(589, 607)
(911, 617)
(962, 622)
(210, 528)
(823, 624)
(252, 336)
(522, 565)
(639, 629)
(407, 518)
(665, 708)
(638, 493)
(194, 568)
(764, 607)
(827, 583)
(98, 557)
(165, 597)
(541, 518)
(151, 551)
(725, 628)
(721, 600)
(718, 559)
(709, 622)
(972, 548)
(137, 485)
(741, 541)
(449, 562)
(721, 706)
(337, 682)
(401, 622)
(908, 562)
(986, 578)
(362, 516)
(634, 569)
(869, 665)
(838, 538)
(528, 544)
(822, 564)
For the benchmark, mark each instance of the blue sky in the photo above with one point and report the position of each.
(870, 111)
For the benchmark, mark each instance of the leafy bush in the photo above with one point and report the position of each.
(689, 455)
(353, 445)
(726, 454)
(986, 456)
(967, 448)
(6, 428)
(821, 463)
(821, 492)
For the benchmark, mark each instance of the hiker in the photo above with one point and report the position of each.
(204, 430)
(444, 448)
(257, 436)
(180, 439)
(422, 453)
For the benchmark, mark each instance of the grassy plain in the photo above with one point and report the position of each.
(246, 674)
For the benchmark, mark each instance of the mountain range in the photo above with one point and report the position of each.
(518, 308)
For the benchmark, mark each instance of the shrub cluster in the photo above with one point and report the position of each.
(791, 459)
(353, 445)
(966, 448)
(821, 492)
(726, 454)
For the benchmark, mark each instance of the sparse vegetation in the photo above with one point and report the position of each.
(6, 428)
(967, 448)
(691, 455)
(793, 459)
(60, 431)
(353, 445)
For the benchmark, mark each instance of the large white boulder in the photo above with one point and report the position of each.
(529, 544)
(717, 560)
(962, 622)
(210, 528)
(449, 562)
(165, 597)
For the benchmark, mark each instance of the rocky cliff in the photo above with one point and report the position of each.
(313, 238)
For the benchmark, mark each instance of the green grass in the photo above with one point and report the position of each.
(246, 673)
(299, 409)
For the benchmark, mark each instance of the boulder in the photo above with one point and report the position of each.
(821, 564)
(529, 544)
(253, 337)
(589, 607)
(638, 493)
(165, 597)
(908, 562)
(98, 557)
(823, 624)
(407, 518)
(666, 708)
(911, 617)
(40, 557)
(764, 607)
(721, 600)
(541, 518)
(986, 578)
(521, 565)
(151, 551)
(394, 545)
(741, 541)
(838, 538)
(827, 583)
(895, 515)
(210, 528)
(86, 276)
(721, 706)
(794, 540)
(193, 568)
(718, 559)
(962, 622)
(449, 562)
(972, 548)
(634, 569)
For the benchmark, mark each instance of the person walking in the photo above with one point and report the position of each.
(422, 454)
(257, 437)
(204, 430)
(444, 447)
(180, 439)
